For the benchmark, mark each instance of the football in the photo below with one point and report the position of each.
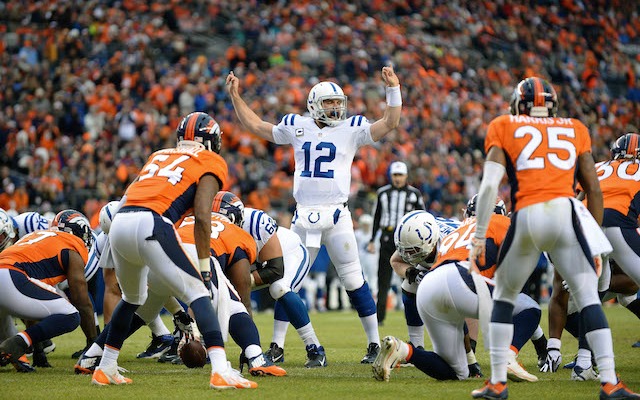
(193, 354)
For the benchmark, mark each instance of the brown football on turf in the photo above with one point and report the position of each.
(193, 354)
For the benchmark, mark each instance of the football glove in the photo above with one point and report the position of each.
(474, 371)
(414, 275)
(183, 321)
(554, 359)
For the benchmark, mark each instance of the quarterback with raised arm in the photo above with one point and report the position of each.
(325, 143)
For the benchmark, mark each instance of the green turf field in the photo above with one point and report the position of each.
(344, 378)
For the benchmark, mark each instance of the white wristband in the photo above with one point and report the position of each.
(253, 280)
(471, 358)
(394, 96)
(204, 264)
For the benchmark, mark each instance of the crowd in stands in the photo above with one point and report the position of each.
(88, 89)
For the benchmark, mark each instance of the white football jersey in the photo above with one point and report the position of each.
(323, 156)
(28, 222)
(262, 227)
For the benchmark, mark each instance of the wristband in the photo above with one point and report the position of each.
(253, 280)
(204, 264)
(394, 96)
(471, 358)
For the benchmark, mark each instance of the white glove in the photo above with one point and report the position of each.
(554, 359)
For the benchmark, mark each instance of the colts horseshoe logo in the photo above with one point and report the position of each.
(311, 219)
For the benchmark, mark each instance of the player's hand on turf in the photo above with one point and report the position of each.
(554, 359)
(474, 371)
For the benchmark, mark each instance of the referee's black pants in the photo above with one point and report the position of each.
(387, 248)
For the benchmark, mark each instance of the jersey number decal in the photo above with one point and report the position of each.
(606, 169)
(525, 159)
(317, 165)
(172, 172)
(456, 240)
(36, 237)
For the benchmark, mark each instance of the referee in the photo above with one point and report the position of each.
(394, 201)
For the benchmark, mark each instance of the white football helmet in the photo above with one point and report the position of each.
(106, 215)
(8, 230)
(327, 91)
(416, 236)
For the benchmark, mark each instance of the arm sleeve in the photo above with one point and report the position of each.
(493, 173)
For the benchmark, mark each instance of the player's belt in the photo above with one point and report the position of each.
(389, 228)
(128, 209)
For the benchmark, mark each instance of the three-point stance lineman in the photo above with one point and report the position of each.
(324, 145)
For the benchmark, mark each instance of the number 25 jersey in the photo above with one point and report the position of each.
(323, 156)
(168, 181)
(541, 155)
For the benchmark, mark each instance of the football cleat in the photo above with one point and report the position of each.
(172, 354)
(261, 365)
(516, 372)
(491, 391)
(372, 352)
(276, 353)
(636, 344)
(103, 378)
(617, 391)
(158, 346)
(392, 352)
(11, 350)
(316, 357)
(22, 365)
(86, 365)
(230, 379)
(584, 374)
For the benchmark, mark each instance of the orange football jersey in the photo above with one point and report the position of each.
(620, 185)
(229, 242)
(41, 255)
(541, 154)
(167, 183)
(455, 246)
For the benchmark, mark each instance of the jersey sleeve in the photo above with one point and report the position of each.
(284, 132)
(583, 144)
(217, 166)
(363, 130)
(259, 225)
(493, 137)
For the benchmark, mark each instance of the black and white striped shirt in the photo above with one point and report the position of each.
(393, 203)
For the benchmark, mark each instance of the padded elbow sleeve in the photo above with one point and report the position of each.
(272, 271)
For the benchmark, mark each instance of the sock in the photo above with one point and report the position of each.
(308, 335)
(244, 332)
(109, 361)
(598, 335)
(94, 351)
(432, 364)
(416, 335)
(279, 332)
(207, 322)
(120, 324)
(537, 334)
(295, 308)
(370, 325)
(525, 324)
(218, 359)
(584, 358)
(500, 337)
(158, 327)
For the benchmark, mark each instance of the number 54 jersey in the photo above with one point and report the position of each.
(541, 155)
(168, 181)
(323, 156)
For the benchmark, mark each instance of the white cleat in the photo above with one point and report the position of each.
(581, 374)
(392, 352)
(517, 373)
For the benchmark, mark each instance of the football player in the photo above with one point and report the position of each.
(30, 267)
(325, 144)
(283, 264)
(542, 156)
(174, 183)
(443, 314)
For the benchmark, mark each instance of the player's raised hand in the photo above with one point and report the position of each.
(389, 76)
(232, 83)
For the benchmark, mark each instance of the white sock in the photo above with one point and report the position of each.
(602, 346)
(416, 335)
(308, 335)
(370, 325)
(94, 351)
(279, 332)
(538, 333)
(252, 350)
(584, 359)
(109, 361)
(158, 327)
(500, 336)
(218, 359)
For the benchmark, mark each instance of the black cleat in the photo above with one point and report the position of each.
(316, 358)
(372, 353)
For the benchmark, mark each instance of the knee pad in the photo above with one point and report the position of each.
(278, 289)
(351, 276)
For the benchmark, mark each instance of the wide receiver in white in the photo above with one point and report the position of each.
(325, 144)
